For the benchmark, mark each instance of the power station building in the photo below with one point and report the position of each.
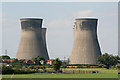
(33, 39)
(86, 47)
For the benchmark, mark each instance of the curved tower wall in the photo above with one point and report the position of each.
(32, 42)
(86, 48)
(44, 35)
(44, 41)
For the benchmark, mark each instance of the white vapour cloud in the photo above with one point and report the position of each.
(60, 22)
(68, 21)
(84, 13)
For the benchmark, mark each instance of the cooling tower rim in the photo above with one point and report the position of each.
(86, 19)
(30, 19)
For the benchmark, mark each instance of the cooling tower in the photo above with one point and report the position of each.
(33, 41)
(86, 48)
(44, 41)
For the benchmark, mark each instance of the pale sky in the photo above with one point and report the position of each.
(58, 18)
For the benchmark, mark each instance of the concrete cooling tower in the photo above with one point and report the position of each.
(86, 48)
(33, 39)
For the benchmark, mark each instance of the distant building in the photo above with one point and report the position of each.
(50, 61)
(10, 60)
(30, 61)
(42, 61)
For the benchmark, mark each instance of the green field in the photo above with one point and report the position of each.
(119, 76)
(103, 73)
(59, 75)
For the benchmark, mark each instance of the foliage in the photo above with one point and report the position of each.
(64, 64)
(108, 60)
(6, 62)
(56, 64)
(7, 70)
(21, 60)
(10, 70)
(15, 61)
(22, 71)
(37, 67)
(48, 66)
(51, 71)
(82, 65)
(37, 60)
(18, 64)
(4, 57)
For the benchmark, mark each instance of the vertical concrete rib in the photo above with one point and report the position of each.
(86, 47)
(31, 43)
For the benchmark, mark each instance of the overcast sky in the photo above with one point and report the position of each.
(59, 18)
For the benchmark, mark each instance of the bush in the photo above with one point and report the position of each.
(118, 67)
(17, 71)
(49, 66)
(7, 70)
(51, 71)
(21, 71)
(79, 67)
(56, 64)
(100, 66)
(83, 65)
(31, 67)
(93, 71)
(108, 60)
(4, 57)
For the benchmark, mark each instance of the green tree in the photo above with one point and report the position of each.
(21, 60)
(4, 57)
(37, 60)
(64, 64)
(7, 69)
(56, 64)
(6, 62)
(44, 68)
(108, 60)
(15, 61)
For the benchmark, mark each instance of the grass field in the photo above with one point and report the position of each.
(59, 75)
(119, 76)
(103, 73)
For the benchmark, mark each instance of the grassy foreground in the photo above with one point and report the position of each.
(103, 73)
(59, 75)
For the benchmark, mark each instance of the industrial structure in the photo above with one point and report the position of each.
(86, 48)
(33, 39)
